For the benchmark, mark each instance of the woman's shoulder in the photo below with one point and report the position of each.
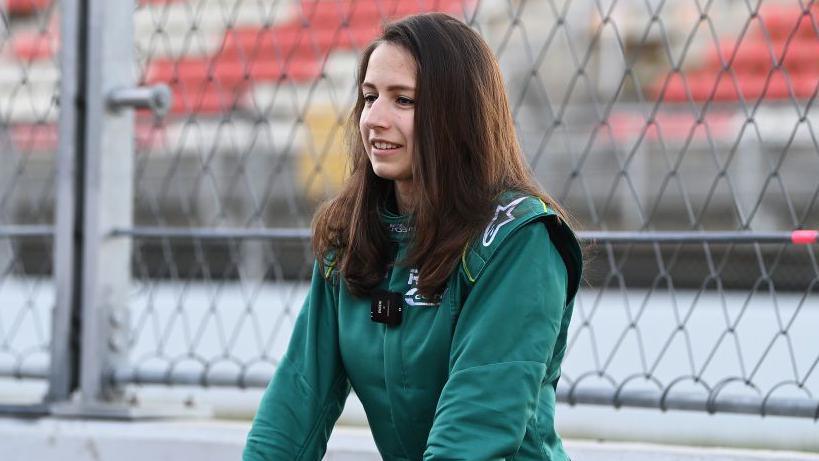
(327, 263)
(513, 209)
(514, 212)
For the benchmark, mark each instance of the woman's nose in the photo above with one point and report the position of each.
(376, 115)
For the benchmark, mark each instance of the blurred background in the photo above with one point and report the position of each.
(161, 254)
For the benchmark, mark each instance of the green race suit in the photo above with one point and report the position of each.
(469, 376)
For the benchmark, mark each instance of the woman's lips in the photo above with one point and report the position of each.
(385, 152)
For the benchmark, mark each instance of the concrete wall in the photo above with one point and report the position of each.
(210, 440)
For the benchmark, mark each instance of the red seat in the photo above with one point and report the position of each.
(675, 90)
(777, 86)
(701, 85)
(801, 57)
(726, 87)
(293, 39)
(159, 2)
(369, 14)
(26, 7)
(229, 70)
(779, 22)
(255, 41)
(209, 86)
(668, 125)
(782, 21)
(206, 98)
(750, 55)
(753, 87)
(331, 13)
(294, 50)
(334, 15)
(755, 58)
(34, 46)
(805, 85)
(34, 137)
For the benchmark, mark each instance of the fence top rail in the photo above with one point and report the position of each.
(16, 231)
(797, 237)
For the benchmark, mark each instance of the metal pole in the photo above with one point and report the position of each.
(215, 233)
(63, 371)
(108, 197)
(107, 202)
(798, 237)
(18, 231)
(774, 406)
(213, 378)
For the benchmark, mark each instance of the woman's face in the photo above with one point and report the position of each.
(388, 117)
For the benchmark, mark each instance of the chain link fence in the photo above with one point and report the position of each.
(29, 82)
(691, 124)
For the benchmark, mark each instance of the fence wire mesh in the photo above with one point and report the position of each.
(29, 82)
(638, 115)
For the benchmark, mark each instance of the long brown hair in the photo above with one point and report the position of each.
(466, 153)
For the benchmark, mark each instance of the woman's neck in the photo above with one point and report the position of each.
(404, 196)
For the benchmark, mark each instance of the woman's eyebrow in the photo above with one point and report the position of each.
(369, 85)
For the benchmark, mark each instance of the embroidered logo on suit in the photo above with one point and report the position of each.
(413, 298)
(503, 216)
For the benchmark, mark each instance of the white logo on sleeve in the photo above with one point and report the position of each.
(494, 226)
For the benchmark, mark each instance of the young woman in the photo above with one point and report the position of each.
(445, 277)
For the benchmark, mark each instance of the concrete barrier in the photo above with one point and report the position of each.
(50, 439)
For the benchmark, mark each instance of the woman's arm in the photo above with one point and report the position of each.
(501, 346)
(308, 391)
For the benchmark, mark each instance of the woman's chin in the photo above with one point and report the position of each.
(386, 173)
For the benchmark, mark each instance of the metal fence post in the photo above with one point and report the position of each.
(108, 196)
(64, 347)
(95, 273)
(107, 201)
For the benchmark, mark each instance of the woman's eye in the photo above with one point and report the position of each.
(369, 98)
(404, 101)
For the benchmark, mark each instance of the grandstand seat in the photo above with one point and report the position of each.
(233, 70)
(668, 125)
(204, 85)
(25, 7)
(293, 50)
(33, 46)
(28, 7)
(330, 13)
(802, 57)
(777, 86)
(701, 84)
(788, 39)
(206, 98)
(805, 85)
(675, 89)
(753, 56)
(294, 39)
(34, 137)
(781, 21)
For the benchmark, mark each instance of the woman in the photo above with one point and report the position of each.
(445, 280)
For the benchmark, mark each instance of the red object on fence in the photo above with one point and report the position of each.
(805, 237)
